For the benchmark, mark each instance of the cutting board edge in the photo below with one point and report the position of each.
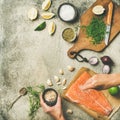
(93, 114)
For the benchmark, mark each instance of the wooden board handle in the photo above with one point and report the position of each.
(110, 11)
(73, 51)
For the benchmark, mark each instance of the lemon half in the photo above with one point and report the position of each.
(98, 9)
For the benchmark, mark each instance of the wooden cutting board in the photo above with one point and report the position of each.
(114, 101)
(83, 41)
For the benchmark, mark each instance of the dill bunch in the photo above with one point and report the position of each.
(96, 29)
(34, 99)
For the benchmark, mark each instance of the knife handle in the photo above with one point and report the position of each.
(110, 10)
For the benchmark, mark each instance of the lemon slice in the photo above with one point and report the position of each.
(32, 13)
(46, 4)
(51, 28)
(98, 10)
(47, 15)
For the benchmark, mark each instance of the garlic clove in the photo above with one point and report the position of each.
(64, 81)
(58, 83)
(56, 78)
(69, 111)
(61, 72)
(70, 68)
(64, 87)
(49, 82)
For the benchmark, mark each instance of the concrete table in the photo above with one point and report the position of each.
(29, 58)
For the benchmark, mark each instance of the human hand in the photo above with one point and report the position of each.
(55, 111)
(99, 82)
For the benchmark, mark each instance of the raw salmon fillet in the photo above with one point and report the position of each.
(92, 99)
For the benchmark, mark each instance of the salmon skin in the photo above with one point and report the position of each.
(92, 99)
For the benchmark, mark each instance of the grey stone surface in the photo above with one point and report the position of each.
(30, 58)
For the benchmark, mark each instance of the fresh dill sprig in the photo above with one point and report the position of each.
(96, 30)
(34, 98)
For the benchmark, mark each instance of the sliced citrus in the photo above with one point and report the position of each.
(98, 10)
(41, 26)
(51, 28)
(47, 15)
(32, 13)
(46, 4)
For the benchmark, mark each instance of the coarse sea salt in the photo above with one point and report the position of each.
(67, 12)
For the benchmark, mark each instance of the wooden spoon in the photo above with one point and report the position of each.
(22, 92)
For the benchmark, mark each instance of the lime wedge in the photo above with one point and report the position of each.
(41, 26)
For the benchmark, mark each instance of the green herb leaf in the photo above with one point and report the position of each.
(96, 29)
(34, 99)
(41, 26)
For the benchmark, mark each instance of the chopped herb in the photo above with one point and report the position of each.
(77, 27)
(96, 29)
(33, 93)
(41, 26)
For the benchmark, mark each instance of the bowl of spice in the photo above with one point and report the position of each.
(69, 34)
(67, 12)
(50, 96)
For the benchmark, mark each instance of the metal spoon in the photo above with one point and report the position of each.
(22, 92)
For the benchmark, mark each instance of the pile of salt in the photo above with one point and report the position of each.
(67, 12)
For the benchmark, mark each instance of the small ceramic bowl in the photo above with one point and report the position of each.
(50, 96)
(69, 34)
(67, 12)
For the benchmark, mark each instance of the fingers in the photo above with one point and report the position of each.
(45, 107)
(90, 84)
(43, 104)
(41, 99)
(86, 86)
(58, 101)
(59, 98)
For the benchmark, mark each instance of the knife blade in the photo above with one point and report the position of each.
(109, 19)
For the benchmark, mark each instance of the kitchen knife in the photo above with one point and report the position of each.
(109, 19)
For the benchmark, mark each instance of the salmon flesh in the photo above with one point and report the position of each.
(92, 99)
